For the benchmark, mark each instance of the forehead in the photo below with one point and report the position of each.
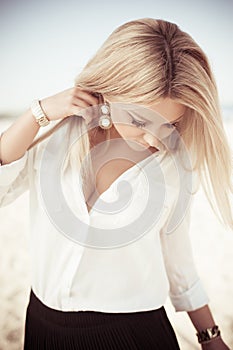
(168, 108)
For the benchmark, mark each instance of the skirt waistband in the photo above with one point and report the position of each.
(84, 319)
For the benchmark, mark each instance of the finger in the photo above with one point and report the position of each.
(86, 96)
(83, 109)
(78, 102)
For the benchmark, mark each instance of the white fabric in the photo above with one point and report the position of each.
(135, 277)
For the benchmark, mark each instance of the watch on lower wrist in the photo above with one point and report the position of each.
(208, 334)
(38, 113)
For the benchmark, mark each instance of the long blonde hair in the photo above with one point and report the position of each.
(149, 59)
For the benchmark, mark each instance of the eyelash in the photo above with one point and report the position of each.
(140, 124)
(176, 124)
(172, 124)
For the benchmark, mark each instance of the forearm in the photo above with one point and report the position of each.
(201, 318)
(18, 137)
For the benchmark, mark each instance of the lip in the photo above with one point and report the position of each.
(144, 144)
(152, 148)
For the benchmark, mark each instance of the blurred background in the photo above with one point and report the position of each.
(44, 45)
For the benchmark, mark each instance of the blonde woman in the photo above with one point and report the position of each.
(111, 184)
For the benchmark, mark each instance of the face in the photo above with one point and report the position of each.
(146, 124)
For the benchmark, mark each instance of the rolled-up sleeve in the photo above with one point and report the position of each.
(186, 292)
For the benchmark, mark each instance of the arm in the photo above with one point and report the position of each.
(18, 137)
(186, 289)
(15, 158)
(15, 164)
(201, 319)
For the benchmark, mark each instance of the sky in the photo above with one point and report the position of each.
(45, 44)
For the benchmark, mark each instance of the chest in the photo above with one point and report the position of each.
(108, 163)
(104, 174)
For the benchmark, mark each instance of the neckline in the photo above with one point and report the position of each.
(129, 170)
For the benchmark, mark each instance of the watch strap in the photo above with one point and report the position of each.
(208, 334)
(38, 113)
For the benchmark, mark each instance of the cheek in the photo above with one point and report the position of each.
(127, 132)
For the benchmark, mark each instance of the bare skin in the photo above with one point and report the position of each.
(19, 136)
(107, 171)
(201, 318)
(109, 166)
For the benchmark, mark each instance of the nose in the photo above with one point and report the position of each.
(151, 140)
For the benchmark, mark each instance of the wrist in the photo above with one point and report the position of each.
(38, 113)
(208, 335)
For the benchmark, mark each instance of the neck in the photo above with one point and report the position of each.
(113, 133)
(99, 135)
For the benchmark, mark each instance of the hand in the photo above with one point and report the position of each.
(73, 101)
(215, 344)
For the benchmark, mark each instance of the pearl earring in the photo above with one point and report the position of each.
(105, 121)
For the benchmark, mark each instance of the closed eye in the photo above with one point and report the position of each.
(171, 125)
(138, 123)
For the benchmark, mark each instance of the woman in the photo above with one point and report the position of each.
(103, 267)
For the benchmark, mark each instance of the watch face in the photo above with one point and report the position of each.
(43, 121)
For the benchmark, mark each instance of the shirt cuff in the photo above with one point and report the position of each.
(10, 171)
(190, 300)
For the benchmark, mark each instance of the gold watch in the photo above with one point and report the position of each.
(38, 113)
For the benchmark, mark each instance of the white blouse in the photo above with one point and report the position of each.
(114, 260)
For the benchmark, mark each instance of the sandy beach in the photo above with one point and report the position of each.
(212, 247)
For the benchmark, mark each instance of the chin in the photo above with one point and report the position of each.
(138, 145)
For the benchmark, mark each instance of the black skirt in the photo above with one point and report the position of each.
(50, 329)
